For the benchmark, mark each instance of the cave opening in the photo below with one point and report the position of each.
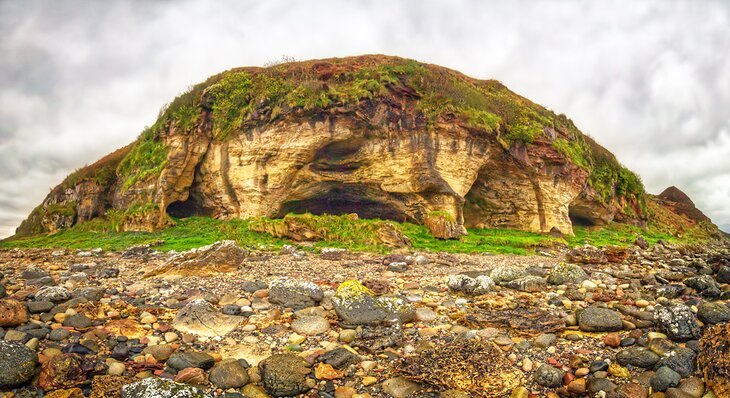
(187, 208)
(580, 218)
(346, 200)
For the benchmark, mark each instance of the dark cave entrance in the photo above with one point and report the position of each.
(346, 200)
(187, 208)
(580, 218)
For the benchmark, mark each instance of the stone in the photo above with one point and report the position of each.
(563, 274)
(78, 321)
(425, 314)
(723, 274)
(548, 376)
(325, 371)
(664, 378)
(339, 358)
(586, 254)
(154, 387)
(681, 360)
(36, 307)
(18, 364)
(705, 285)
(444, 226)
(58, 334)
(598, 384)
(55, 294)
(399, 387)
(161, 352)
(310, 325)
(61, 371)
(229, 373)
(599, 319)
(284, 375)
(465, 284)
(711, 313)
(637, 356)
(116, 369)
(218, 258)
(199, 317)
(530, 284)
(545, 340)
(355, 304)
(191, 376)
(677, 321)
(295, 294)
(693, 386)
(348, 335)
(507, 273)
(12, 313)
(190, 359)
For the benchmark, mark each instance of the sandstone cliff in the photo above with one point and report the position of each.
(382, 137)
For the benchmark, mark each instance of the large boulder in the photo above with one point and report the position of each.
(295, 294)
(17, 364)
(563, 274)
(285, 375)
(677, 321)
(355, 304)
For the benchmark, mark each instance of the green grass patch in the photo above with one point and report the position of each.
(339, 231)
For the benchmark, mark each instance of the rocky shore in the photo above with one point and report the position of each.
(226, 320)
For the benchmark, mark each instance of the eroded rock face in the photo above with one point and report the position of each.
(379, 156)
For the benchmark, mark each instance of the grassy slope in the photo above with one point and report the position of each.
(198, 231)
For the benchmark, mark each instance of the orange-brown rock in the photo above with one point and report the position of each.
(12, 313)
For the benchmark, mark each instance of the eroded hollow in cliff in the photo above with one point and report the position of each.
(346, 200)
(581, 217)
(187, 208)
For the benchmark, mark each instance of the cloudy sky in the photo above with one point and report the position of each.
(650, 80)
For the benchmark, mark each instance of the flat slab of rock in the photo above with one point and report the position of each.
(201, 318)
(154, 387)
(220, 257)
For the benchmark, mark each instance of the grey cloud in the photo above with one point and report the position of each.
(650, 80)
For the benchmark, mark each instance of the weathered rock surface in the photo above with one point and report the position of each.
(220, 257)
(284, 375)
(201, 318)
(496, 161)
(17, 364)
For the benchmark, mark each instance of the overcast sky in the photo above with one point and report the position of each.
(650, 80)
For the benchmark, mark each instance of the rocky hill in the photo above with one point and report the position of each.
(383, 137)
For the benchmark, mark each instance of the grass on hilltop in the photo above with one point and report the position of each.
(345, 232)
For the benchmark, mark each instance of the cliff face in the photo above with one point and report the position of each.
(379, 136)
